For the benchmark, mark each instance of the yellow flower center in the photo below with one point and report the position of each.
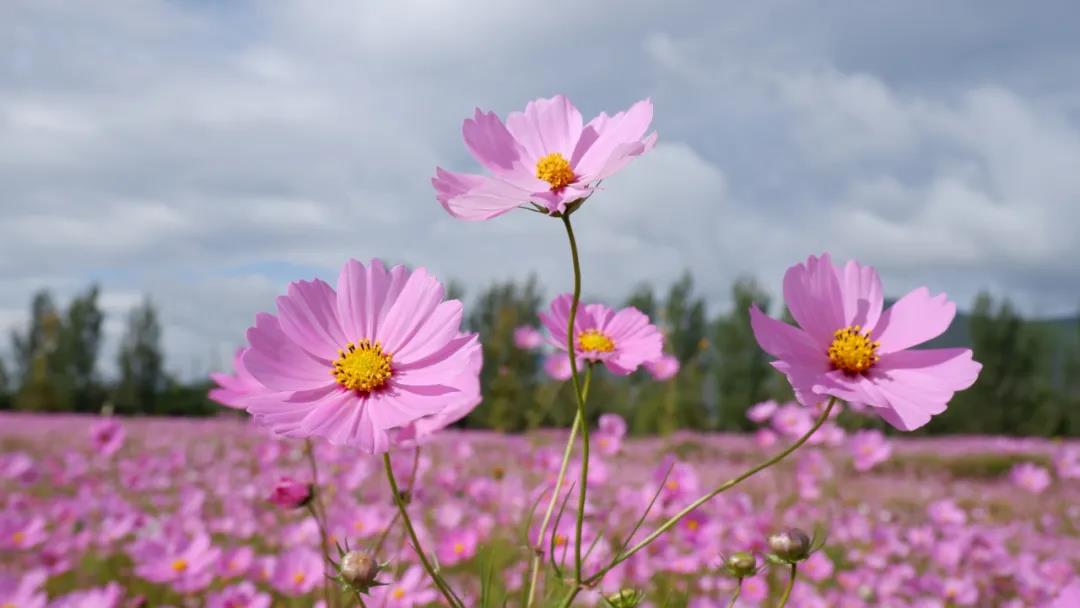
(692, 524)
(672, 485)
(398, 593)
(592, 341)
(298, 578)
(555, 170)
(358, 525)
(560, 540)
(363, 366)
(852, 350)
(179, 565)
(459, 548)
(18, 538)
(7, 605)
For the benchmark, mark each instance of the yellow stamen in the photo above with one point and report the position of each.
(555, 170)
(459, 548)
(363, 366)
(592, 341)
(560, 540)
(18, 538)
(298, 578)
(852, 350)
(692, 524)
(358, 525)
(672, 485)
(179, 565)
(398, 593)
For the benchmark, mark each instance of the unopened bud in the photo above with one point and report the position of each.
(291, 494)
(741, 564)
(627, 598)
(790, 546)
(359, 569)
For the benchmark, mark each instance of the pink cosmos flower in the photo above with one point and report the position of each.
(457, 546)
(186, 563)
(762, 412)
(100, 597)
(543, 156)
(234, 389)
(846, 347)
(107, 436)
(663, 368)
(297, 572)
(527, 337)
(352, 365)
(242, 595)
(557, 366)
(869, 449)
(611, 428)
(25, 591)
(621, 340)
(290, 494)
(1030, 477)
(412, 589)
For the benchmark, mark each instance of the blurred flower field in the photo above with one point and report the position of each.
(159, 512)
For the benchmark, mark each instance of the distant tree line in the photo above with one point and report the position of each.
(1030, 382)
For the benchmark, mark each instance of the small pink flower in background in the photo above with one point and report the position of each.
(869, 449)
(945, 512)
(107, 436)
(233, 390)
(290, 494)
(543, 156)
(1069, 597)
(457, 546)
(356, 364)
(664, 368)
(682, 482)
(754, 590)
(18, 466)
(101, 597)
(557, 366)
(242, 595)
(845, 346)
(611, 428)
(297, 572)
(413, 589)
(1030, 477)
(185, 563)
(18, 532)
(621, 340)
(236, 562)
(1067, 462)
(24, 590)
(765, 437)
(527, 337)
(818, 567)
(790, 420)
(762, 412)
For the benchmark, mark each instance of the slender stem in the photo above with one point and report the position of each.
(314, 507)
(447, 592)
(790, 586)
(580, 423)
(582, 489)
(727, 485)
(735, 597)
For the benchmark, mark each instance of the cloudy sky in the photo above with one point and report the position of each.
(208, 154)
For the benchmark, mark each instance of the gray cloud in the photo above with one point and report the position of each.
(206, 155)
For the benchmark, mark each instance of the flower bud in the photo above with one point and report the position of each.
(359, 568)
(741, 564)
(790, 546)
(627, 598)
(291, 494)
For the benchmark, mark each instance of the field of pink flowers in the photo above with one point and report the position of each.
(157, 512)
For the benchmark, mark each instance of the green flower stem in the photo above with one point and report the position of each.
(447, 592)
(580, 516)
(790, 585)
(735, 597)
(667, 525)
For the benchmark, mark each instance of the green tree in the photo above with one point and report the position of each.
(142, 375)
(38, 369)
(509, 377)
(683, 319)
(78, 348)
(743, 372)
(5, 387)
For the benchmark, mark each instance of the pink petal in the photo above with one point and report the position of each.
(408, 312)
(546, 126)
(364, 296)
(276, 362)
(605, 138)
(860, 287)
(308, 315)
(812, 294)
(476, 197)
(784, 341)
(442, 326)
(497, 150)
(914, 319)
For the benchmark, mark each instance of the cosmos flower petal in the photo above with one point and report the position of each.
(862, 294)
(781, 340)
(606, 138)
(440, 327)
(914, 319)
(276, 362)
(308, 315)
(546, 126)
(498, 151)
(363, 296)
(476, 197)
(812, 294)
(419, 297)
